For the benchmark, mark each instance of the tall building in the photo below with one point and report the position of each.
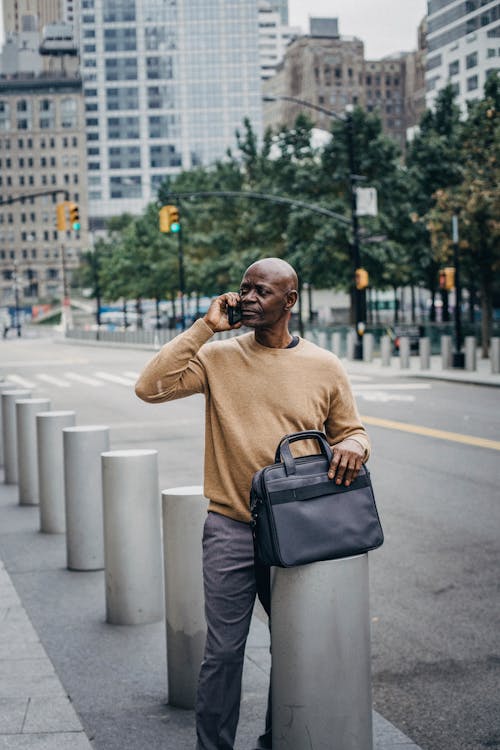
(330, 70)
(166, 86)
(30, 15)
(463, 46)
(274, 37)
(322, 68)
(42, 150)
(281, 7)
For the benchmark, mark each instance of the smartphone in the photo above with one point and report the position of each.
(234, 314)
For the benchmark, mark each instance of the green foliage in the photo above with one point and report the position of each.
(451, 163)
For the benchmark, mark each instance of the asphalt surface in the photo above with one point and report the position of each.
(434, 584)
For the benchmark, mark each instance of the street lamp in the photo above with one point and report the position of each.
(359, 294)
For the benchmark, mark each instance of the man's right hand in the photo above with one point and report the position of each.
(216, 317)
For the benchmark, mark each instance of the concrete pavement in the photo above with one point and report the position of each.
(69, 681)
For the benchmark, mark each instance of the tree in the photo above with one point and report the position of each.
(476, 200)
(433, 163)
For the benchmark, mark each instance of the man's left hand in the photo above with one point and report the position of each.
(347, 461)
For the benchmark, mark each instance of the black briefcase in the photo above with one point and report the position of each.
(300, 516)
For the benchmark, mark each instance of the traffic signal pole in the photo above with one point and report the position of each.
(180, 254)
(359, 294)
(458, 358)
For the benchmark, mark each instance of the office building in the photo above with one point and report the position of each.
(463, 46)
(166, 86)
(42, 150)
(330, 70)
(274, 37)
(322, 68)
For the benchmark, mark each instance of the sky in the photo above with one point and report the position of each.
(385, 26)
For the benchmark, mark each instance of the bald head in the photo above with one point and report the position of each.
(277, 271)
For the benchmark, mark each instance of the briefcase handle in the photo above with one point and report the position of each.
(284, 454)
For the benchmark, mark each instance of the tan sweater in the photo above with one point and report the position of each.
(254, 396)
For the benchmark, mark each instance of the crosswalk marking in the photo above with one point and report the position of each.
(83, 379)
(114, 378)
(53, 380)
(21, 381)
(133, 375)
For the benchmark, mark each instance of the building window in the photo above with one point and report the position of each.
(123, 127)
(472, 83)
(24, 115)
(121, 69)
(126, 97)
(454, 68)
(120, 40)
(47, 114)
(124, 157)
(4, 115)
(471, 60)
(126, 187)
(69, 118)
(164, 156)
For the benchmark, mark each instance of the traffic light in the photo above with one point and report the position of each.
(61, 216)
(169, 219)
(447, 278)
(74, 217)
(361, 278)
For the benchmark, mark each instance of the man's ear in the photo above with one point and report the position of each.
(291, 299)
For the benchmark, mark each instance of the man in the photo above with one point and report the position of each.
(258, 387)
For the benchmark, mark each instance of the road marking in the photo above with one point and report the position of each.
(114, 378)
(392, 387)
(21, 381)
(83, 379)
(383, 397)
(361, 378)
(53, 380)
(129, 374)
(416, 429)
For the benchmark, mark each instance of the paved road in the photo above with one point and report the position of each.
(434, 584)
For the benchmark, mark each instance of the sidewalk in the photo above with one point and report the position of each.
(481, 376)
(69, 681)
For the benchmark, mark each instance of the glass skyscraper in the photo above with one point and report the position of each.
(166, 85)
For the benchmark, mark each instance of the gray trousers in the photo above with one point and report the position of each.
(231, 581)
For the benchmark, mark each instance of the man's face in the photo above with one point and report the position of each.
(264, 298)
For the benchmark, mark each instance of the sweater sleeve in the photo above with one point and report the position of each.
(176, 371)
(343, 419)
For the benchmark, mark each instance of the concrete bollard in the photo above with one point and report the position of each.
(337, 343)
(49, 427)
(4, 386)
(368, 342)
(424, 350)
(184, 513)
(27, 462)
(495, 355)
(385, 350)
(446, 353)
(83, 495)
(9, 432)
(132, 537)
(470, 353)
(320, 636)
(404, 353)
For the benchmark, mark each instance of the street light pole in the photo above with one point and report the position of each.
(359, 294)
